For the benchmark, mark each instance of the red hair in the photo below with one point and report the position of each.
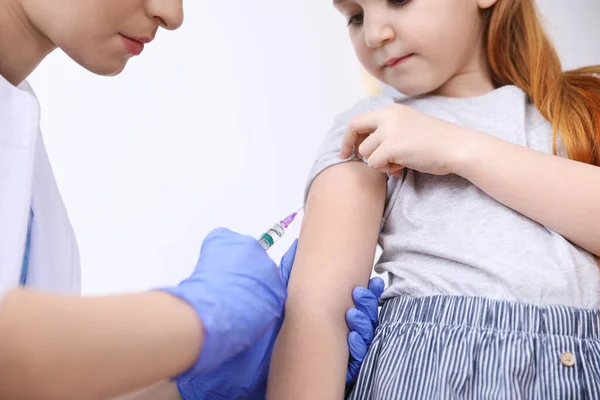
(520, 53)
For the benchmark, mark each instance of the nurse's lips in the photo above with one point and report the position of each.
(135, 45)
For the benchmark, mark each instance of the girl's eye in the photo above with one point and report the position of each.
(356, 19)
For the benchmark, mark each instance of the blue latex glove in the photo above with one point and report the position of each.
(362, 322)
(237, 293)
(245, 376)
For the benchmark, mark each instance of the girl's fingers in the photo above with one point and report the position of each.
(379, 158)
(361, 125)
(369, 144)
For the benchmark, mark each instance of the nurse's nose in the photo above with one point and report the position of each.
(168, 14)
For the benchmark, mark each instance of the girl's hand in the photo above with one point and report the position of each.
(398, 136)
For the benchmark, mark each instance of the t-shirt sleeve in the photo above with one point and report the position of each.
(329, 152)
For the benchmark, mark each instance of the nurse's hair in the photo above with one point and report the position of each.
(520, 53)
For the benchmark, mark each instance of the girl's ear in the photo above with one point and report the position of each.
(485, 4)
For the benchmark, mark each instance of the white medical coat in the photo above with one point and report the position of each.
(27, 180)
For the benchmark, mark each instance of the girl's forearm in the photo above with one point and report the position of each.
(58, 347)
(310, 357)
(558, 193)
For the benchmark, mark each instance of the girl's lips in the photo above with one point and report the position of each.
(396, 60)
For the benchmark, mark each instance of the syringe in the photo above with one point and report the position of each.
(277, 231)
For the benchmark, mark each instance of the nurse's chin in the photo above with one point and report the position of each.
(107, 68)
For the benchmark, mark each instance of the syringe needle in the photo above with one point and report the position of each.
(307, 201)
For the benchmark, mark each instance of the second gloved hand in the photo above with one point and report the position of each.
(362, 322)
(237, 293)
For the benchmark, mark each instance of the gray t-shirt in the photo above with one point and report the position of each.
(442, 235)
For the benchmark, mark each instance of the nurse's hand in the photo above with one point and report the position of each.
(362, 322)
(245, 375)
(237, 293)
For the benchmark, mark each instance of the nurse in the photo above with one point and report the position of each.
(213, 333)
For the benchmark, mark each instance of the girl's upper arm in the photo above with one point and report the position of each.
(339, 234)
(335, 254)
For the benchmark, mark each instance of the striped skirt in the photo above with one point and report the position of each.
(446, 347)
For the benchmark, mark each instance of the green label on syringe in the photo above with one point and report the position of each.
(267, 238)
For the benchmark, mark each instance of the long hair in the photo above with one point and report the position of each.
(520, 53)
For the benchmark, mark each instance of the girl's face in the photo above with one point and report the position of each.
(418, 46)
(101, 35)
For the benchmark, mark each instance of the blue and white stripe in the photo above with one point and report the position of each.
(448, 347)
(25, 266)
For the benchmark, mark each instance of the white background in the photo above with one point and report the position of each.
(216, 124)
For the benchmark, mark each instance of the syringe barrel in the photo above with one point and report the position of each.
(271, 236)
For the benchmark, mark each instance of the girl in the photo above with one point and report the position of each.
(490, 225)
